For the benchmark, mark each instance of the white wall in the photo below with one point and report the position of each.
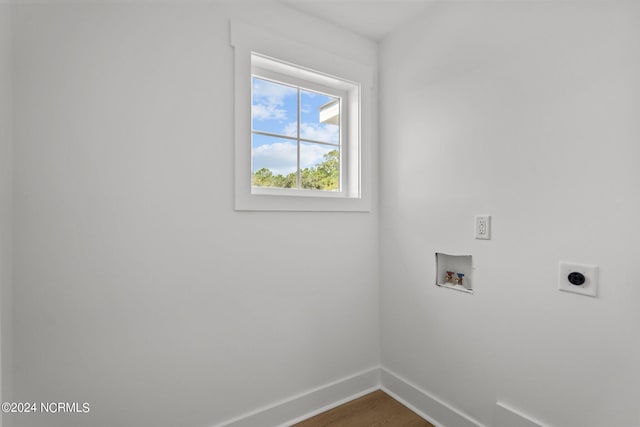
(5, 182)
(138, 289)
(527, 111)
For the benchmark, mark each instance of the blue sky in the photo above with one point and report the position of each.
(275, 110)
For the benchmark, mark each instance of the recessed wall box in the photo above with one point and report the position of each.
(454, 272)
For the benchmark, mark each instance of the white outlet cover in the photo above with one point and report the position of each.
(483, 227)
(590, 272)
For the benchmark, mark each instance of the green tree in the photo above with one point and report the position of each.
(262, 177)
(324, 176)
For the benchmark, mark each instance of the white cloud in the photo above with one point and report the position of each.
(324, 133)
(267, 111)
(314, 131)
(291, 130)
(268, 100)
(281, 157)
(312, 154)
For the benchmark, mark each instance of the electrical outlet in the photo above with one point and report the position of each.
(578, 278)
(483, 227)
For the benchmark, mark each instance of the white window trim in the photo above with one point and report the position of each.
(246, 39)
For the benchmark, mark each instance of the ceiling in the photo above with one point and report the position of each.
(373, 19)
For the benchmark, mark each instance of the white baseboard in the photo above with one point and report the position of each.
(313, 402)
(310, 403)
(504, 416)
(424, 404)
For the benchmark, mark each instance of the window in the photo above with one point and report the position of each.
(296, 132)
(300, 143)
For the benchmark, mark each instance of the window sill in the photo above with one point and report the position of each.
(300, 203)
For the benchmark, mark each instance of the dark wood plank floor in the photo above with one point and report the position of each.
(375, 409)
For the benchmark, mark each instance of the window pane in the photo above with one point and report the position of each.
(274, 107)
(319, 117)
(274, 162)
(320, 166)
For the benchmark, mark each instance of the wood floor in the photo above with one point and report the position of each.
(376, 409)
